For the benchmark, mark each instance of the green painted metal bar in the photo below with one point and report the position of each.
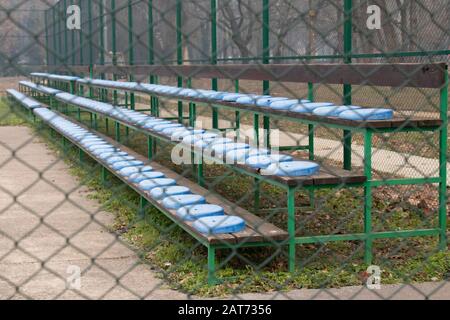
(311, 129)
(66, 35)
(143, 203)
(192, 107)
(101, 33)
(131, 49)
(214, 82)
(291, 228)
(212, 280)
(47, 45)
(179, 26)
(347, 94)
(151, 53)
(368, 196)
(55, 46)
(150, 147)
(237, 114)
(117, 131)
(311, 91)
(364, 237)
(60, 43)
(90, 31)
(114, 45)
(72, 47)
(443, 149)
(265, 60)
(81, 40)
(397, 182)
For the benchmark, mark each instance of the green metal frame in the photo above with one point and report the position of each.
(369, 235)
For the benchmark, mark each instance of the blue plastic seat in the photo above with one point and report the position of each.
(160, 128)
(126, 172)
(232, 97)
(241, 155)
(155, 122)
(223, 148)
(170, 131)
(181, 134)
(191, 139)
(266, 102)
(219, 225)
(161, 193)
(107, 155)
(115, 159)
(139, 176)
(176, 202)
(286, 104)
(147, 185)
(367, 114)
(333, 111)
(124, 164)
(250, 99)
(98, 145)
(263, 161)
(194, 212)
(310, 107)
(291, 169)
(97, 152)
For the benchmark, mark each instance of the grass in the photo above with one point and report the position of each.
(8, 117)
(181, 261)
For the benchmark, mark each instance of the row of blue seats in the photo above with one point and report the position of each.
(39, 88)
(24, 100)
(322, 109)
(207, 218)
(208, 142)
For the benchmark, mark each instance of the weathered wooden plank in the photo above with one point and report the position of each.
(393, 75)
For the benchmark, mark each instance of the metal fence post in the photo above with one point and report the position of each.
(60, 49)
(347, 95)
(443, 150)
(81, 37)
(46, 38)
(151, 56)
(54, 35)
(179, 53)
(214, 82)
(66, 35)
(265, 60)
(113, 45)
(131, 49)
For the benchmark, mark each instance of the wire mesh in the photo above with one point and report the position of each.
(70, 229)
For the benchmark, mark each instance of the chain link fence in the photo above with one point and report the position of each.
(71, 229)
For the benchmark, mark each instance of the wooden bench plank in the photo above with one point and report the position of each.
(427, 75)
(257, 229)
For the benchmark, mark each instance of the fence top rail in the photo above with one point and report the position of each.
(430, 75)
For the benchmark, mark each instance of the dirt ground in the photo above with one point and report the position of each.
(9, 83)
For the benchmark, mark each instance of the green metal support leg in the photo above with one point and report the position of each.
(347, 150)
(104, 176)
(256, 129)
(291, 228)
(266, 121)
(257, 196)
(368, 255)
(311, 129)
(142, 207)
(117, 131)
(212, 280)
(150, 141)
(443, 149)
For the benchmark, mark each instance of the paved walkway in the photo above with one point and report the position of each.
(43, 233)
